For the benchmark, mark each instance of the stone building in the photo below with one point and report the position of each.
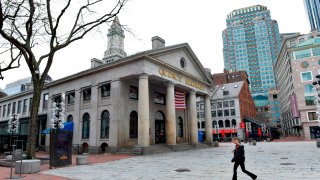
(125, 100)
(297, 65)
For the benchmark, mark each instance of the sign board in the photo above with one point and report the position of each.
(60, 147)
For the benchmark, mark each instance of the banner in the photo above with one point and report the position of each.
(294, 106)
(180, 101)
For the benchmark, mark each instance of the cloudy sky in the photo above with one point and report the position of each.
(197, 22)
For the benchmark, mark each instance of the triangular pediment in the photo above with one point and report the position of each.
(173, 55)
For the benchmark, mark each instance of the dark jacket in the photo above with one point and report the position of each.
(238, 154)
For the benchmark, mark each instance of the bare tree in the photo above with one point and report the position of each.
(34, 30)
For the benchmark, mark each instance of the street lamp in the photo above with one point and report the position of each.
(57, 116)
(13, 126)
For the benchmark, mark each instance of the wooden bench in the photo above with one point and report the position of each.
(28, 166)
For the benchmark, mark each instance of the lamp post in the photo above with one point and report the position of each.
(57, 116)
(13, 126)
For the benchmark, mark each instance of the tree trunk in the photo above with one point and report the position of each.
(33, 123)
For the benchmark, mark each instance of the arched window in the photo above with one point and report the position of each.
(203, 124)
(105, 121)
(70, 118)
(133, 124)
(198, 125)
(220, 124)
(180, 127)
(227, 123)
(234, 122)
(86, 126)
(214, 123)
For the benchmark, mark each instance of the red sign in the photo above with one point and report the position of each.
(259, 132)
(223, 131)
(242, 125)
(294, 105)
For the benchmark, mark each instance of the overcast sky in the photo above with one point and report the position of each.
(197, 22)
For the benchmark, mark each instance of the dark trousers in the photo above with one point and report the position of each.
(235, 167)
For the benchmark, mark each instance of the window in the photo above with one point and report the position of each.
(225, 93)
(180, 127)
(231, 103)
(86, 126)
(234, 122)
(220, 113)
(227, 123)
(45, 101)
(70, 97)
(232, 112)
(214, 123)
(201, 106)
(220, 124)
(133, 124)
(198, 125)
(105, 121)
(182, 63)
(219, 104)
(70, 118)
(30, 104)
(306, 76)
(308, 89)
(213, 105)
(105, 90)
(133, 93)
(312, 116)
(87, 94)
(226, 112)
(25, 104)
(9, 109)
(225, 104)
(213, 113)
(13, 107)
(302, 54)
(159, 98)
(203, 125)
(309, 100)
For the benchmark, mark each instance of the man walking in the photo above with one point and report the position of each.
(239, 159)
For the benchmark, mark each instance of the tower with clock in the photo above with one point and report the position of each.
(115, 50)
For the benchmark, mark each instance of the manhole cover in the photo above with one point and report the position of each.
(182, 170)
(286, 164)
(283, 158)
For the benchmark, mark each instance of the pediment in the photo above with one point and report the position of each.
(182, 58)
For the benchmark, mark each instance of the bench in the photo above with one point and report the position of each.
(28, 166)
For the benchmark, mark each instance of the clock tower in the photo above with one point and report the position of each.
(115, 50)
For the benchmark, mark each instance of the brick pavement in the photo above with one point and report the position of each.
(92, 159)
(269, 160)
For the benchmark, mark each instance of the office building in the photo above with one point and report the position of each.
(312, 8)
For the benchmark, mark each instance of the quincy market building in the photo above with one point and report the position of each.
(124, 101)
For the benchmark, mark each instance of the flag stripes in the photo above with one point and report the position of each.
(180, 102)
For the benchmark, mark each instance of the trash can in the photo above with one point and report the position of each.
(200, 136)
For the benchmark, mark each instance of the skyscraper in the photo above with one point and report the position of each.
(251, 42)
(313, 11)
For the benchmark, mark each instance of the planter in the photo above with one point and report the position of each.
(318, 142)
(81, 160)
(254, 142)
(27, 166)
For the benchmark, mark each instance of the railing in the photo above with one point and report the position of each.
(78, 148)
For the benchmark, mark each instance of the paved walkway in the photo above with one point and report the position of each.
(269, 160)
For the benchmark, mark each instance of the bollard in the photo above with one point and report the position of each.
(254, 142)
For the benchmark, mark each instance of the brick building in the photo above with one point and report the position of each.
(229, 77)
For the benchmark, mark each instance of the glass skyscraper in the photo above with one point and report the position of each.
(313, 10)
(251, 42)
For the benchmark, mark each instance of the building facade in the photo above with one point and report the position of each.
(313, 12)
(126, 102)
(298, 63)
(230, 104)
(229, 77)
(251, 42)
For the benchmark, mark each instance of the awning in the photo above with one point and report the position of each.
(67, 126)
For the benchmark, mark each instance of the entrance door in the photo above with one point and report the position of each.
(159, 131)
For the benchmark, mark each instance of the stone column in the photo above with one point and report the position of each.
(170, 116)
(208, 121)
(143, 111)
(193, 118)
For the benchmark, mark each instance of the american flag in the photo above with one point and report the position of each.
(180, 100)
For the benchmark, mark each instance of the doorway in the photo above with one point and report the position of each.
(160, 136)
